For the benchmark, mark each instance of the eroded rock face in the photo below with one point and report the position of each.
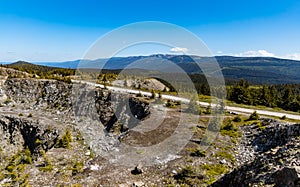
(40, 93)
(48, 98)
(17, 133)
(264, 153)
(277, 134)
(110, 109)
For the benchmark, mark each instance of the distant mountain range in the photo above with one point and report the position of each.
(255, 69)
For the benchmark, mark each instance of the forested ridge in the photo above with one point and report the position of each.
(42, 72)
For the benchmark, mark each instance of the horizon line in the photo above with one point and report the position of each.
(166, 54)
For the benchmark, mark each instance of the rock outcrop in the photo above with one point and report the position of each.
(98, 104)
(39, 93)
(57, 102)
(17, 133)
(264, 153)
(113, 110)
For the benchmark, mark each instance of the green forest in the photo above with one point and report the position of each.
(285, 96)
(42, 72)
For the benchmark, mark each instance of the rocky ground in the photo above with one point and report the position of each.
(265, 154)
(53, 135)
(146, 84)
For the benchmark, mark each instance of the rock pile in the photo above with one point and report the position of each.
(264, 154)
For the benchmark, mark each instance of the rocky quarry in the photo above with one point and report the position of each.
(267, 157)
(56, 125)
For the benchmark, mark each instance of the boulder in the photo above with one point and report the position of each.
(138, 184)
(138, 169)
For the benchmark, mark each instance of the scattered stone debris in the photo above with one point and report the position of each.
(266, 157)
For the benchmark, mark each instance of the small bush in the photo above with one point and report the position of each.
(139, 94)
(18, 162)
(188, 176)
(65, 141)
(212, 171)
(229, 126)
(170, 104)
(253, 116)
(77, 168)
(260, 125)
(153, 94)
(30, 115)
(26, 156)
(208, 110)
(283, 117)
(159, 95)
(47, 166)
(198, 153)
(237, 119)
(231, 130)
(38, 142)
(225, 155)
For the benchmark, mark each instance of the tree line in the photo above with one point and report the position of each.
(285, 96)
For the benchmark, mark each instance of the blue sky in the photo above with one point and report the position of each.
(64, 30)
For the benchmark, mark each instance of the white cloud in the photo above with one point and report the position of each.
(258, 53)
(294, 56)
(262, 53)
(179, 50)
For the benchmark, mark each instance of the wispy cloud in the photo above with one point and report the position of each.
(294, 56)
(179, 50)
(264, 53)
(258, 53)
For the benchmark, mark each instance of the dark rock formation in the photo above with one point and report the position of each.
(113, 110)
(17, 133)
(137, 169)
(287, 177)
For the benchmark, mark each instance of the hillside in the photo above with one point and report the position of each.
(39, 69)
(260, 70)
(26, 66)
(43, 139)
